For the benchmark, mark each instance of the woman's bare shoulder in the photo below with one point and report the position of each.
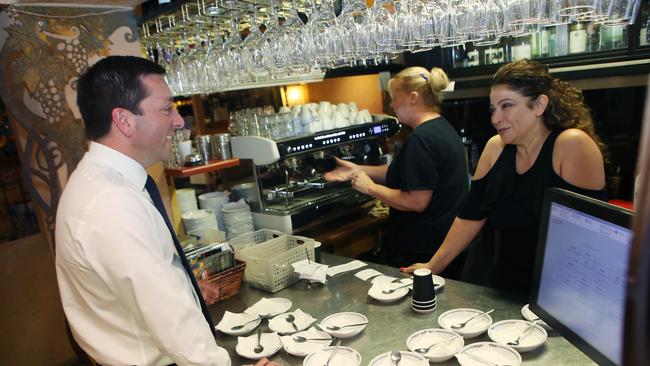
(490, 155)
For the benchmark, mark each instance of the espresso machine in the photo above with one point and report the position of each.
(290, 191)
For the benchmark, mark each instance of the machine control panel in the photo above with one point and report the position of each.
(297, 145)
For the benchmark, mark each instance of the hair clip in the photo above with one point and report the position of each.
(424, 77)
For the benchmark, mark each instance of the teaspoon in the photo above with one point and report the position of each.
(240, 326)
(301, 339)
(424, 350)
(391, 290)
(523, 333)
(396, 357)
(292, 319)
(337, 327)
(463, 324)
(259, 348)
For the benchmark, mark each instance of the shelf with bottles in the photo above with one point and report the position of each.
(582, 38)
(210, 166)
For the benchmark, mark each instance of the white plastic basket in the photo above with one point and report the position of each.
(268, 265)
(250, 239)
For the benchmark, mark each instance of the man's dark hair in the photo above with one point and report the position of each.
(113, 82)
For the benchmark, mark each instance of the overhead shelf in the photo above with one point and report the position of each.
(314, 77)
(211, 166)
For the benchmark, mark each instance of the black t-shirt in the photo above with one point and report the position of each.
(512, 203)
(432, 158)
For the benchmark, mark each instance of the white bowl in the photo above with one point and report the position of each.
(426, 337)
(472, 329)
(340, 319)
(407, 359)
(508, 330)
(489, 351)
(530, 316)
(344, 356)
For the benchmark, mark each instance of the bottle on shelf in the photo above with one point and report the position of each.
(561, 40)
(540, 43)
(613, 37)
(522, 47)
(578, 38)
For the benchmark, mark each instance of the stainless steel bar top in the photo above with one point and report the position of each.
(391, 323)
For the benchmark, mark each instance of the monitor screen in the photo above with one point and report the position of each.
(581, 270)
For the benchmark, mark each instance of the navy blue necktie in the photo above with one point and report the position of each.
(154, 193)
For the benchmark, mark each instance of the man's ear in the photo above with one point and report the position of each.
(540, 105)
(124, 121)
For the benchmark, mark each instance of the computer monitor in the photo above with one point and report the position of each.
(580, 272)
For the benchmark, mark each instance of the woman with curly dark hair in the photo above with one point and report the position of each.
(545, 138)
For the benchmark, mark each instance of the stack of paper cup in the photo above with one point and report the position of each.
(423, 299)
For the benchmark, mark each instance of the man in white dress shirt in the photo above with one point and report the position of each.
(126, 295)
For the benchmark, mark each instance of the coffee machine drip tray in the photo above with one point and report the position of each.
(304, 197)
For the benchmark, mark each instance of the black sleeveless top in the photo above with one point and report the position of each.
(512, 204)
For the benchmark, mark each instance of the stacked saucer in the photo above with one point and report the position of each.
(237, 219)
(214, 201)
(199, 220)
(424, 293)
(186, 200)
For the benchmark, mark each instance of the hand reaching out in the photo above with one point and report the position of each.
(415, 266)
(344, 171)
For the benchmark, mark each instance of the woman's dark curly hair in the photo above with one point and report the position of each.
(566, 107)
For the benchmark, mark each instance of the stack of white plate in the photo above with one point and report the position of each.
(214, 201)
(186, 200)
(199, 220)
(237, 219)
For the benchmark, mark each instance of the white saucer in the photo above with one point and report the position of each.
(280, 324)
(310, 346)
(530, 316)
(270, 307)
(340, 319)
(472, 329)
(230, 320)
(344, 356)
(489, 351)
(388, 279)
(270, 341)
(509, 330)
(440, 353)
(376, 291)
(407, 359)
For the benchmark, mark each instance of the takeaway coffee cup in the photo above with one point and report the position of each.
(423, 289)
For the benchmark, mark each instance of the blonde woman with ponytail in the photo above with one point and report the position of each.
(426, 183)
(545, 138)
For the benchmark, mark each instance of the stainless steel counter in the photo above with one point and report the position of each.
(391, 324)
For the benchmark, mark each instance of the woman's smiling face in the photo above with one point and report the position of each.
(513, 114)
